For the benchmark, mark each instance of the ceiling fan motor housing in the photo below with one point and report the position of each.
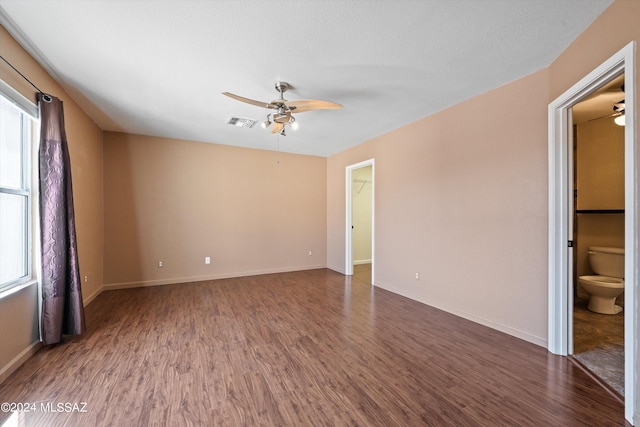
(282, 87)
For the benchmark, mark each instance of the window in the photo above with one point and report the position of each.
(16, 202)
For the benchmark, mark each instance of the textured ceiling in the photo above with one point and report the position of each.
(159, 67)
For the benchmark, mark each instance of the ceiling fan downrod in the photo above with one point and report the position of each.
(282, 87)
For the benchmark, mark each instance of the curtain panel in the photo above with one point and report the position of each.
(62, 306)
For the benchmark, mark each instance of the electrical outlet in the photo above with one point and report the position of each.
(160, 264)
(310, 252)
(86, 279)
(417, 276)
(207, 260)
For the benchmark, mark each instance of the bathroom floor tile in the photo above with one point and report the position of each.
(598, 343)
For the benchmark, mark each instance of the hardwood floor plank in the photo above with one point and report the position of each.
(310, 348)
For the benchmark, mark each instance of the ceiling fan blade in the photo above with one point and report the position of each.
(250, 101)
(619, 113)
(302, 105)
(277, 127)
(618, 107)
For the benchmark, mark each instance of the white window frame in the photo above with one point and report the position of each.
(28, 189)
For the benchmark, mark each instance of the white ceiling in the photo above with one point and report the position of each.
(159, 67)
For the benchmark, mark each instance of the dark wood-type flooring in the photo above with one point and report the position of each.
(311, 348)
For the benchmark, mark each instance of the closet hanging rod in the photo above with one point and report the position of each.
(363, 181)
(45, 96)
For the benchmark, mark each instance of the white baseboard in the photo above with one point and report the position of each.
(526, 336)
(337, 270)
(175, 280)
(362, 261)
(91, 297)
(17, 361)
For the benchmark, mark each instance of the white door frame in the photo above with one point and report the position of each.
(560, 210)
(348, 267)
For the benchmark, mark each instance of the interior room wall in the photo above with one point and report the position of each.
(18, 312)
(610, 32)
(600, 185)
(461, 197)
(251, 211)
(361, 209)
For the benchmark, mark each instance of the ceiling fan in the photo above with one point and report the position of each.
(284, 109)
(618, 112)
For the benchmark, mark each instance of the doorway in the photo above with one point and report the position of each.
(561, 208)
(359, 232)
(598, 224)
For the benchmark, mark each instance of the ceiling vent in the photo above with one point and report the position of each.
(240, 122)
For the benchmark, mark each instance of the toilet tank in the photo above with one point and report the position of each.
(607, 261)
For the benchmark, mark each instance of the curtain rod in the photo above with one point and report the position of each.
(45, 97)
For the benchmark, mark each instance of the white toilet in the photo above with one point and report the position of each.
(604, 288)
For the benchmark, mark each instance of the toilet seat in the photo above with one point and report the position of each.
(604, 281)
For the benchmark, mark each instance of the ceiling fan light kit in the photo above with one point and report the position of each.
(284, 109)
(618, 109)
(618, 112)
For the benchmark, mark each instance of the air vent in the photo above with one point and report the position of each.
(240, 122)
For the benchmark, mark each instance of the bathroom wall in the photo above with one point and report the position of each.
(600, 186)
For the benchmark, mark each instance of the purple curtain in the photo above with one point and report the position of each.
(62, 307)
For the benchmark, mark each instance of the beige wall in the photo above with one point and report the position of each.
(461, 198)
(18, 316)
(251, 211)
(610, 32)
